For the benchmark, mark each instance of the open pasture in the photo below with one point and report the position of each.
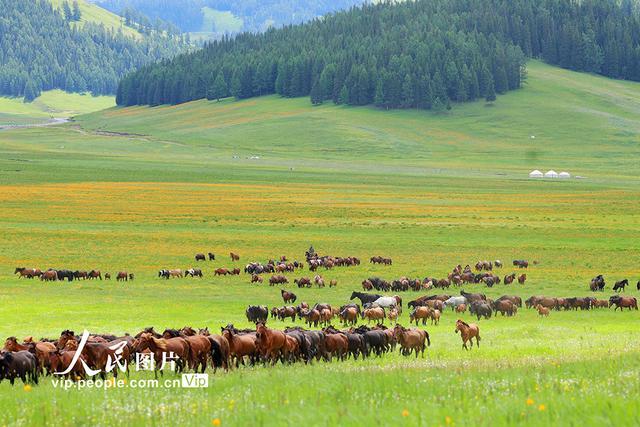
(147, 188)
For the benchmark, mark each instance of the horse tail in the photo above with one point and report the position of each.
(428, 339)
(216, 354)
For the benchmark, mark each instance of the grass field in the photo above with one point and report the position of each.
(53, 103)
(95, 14)
(146, 188)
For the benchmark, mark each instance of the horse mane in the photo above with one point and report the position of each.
(161, 343)
(463, 322)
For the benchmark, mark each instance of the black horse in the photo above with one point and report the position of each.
(597, 283)
(620, 285)
(364, 297)
(65, 274)
(257, 313)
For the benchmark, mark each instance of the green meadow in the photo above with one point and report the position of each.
(141, 188)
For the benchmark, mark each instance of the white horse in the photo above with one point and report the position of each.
(453, 302)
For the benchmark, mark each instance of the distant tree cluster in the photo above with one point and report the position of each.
(257, 15)
(185, 15)
(406, 55)
(71, 14)
(39, 51)
(414, 54)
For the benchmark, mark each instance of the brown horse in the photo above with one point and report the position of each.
(256, 278)
(270, 342)
(200, 257)
(413, 339)
(349, 316)
(107, 276)
(122, 276)
(49, 276)
(59, 361)
(28, 273)
(522, 278)
(240, 346)
(221, 272)
(623, 302)
(336, 344)
(419, 313)
(542, 311)
(159, 346)
(97, 355)
(288, 297)
(468, 332)
(94, 274)
(461, 308)
(375, 314)
(234, 257)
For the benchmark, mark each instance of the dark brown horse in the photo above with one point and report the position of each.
(234, 257)
(158, 346)
(240, 346)
(288, 297)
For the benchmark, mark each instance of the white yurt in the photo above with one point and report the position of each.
(535, 174)
(564, 175)
(551, 174)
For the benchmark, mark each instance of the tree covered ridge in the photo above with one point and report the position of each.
(414, 54)
(39, 51)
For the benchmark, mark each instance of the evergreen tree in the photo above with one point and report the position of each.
(490, 92)
(344, 95)
(31, 91)
(68, 14)
(76, 14)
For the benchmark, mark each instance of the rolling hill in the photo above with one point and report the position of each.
(559, 120)
(95, 14)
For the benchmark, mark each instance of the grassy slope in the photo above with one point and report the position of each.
(428, 190)
(55, 103)
(94, 13)
(223, 21)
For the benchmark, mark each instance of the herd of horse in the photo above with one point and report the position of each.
(196, 350)
(51, 275)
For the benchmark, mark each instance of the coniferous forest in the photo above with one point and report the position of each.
(415, 54)
(40, 50)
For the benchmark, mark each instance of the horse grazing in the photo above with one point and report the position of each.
(122, 276)
(468, 332)
(200, 257)
(620, 285)
(221, 272)
(256, 279)
(412, 339)
(212, 256)
(234, 257)
(288, 297)
(522, 278)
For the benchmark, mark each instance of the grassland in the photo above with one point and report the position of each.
(146, 188)
(97, 15)
(54, 103)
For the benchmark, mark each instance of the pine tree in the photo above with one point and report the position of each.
(68, 14)
(379, 99)
(408, 92)
(490, 91)
(76, 14)
(344, 95)
(316, 94)
(30, 91)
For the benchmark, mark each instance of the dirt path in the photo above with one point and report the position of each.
(51, 122)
